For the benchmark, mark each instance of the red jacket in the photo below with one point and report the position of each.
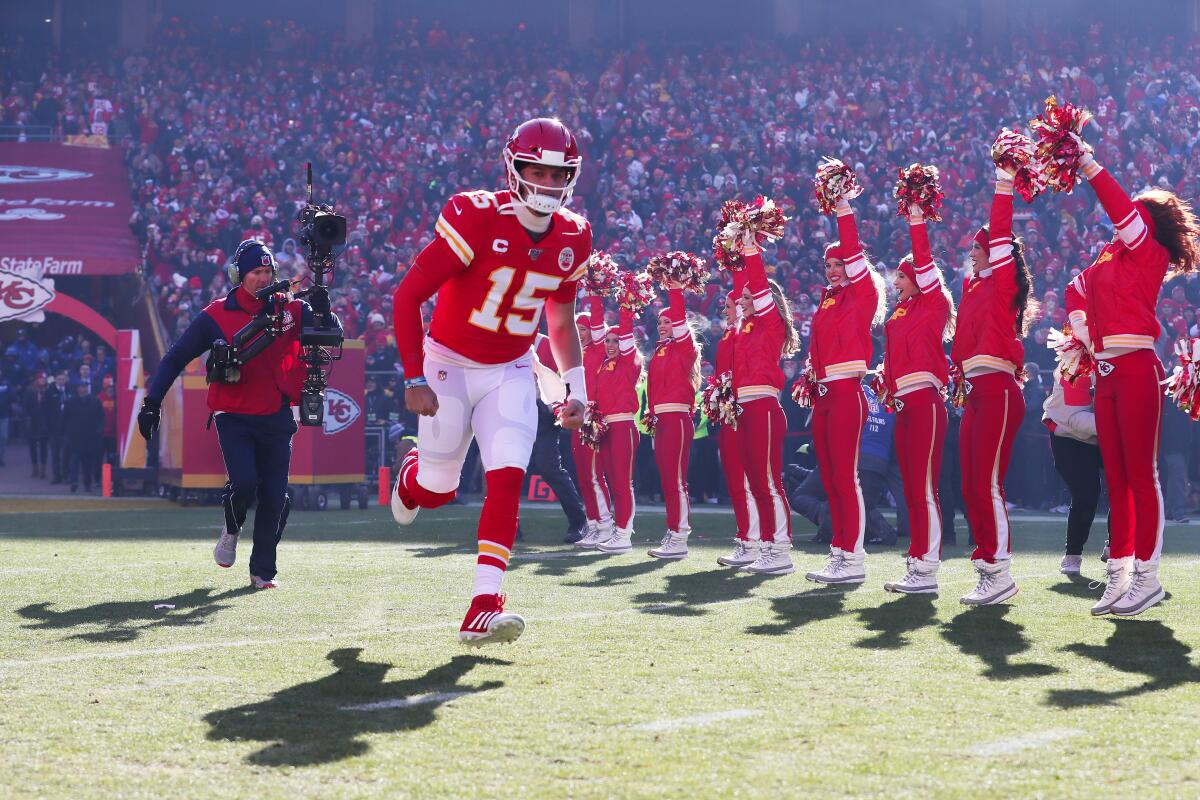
(1118, 293)
(760, 339)
(986, 334)
(841, 328)
(727, 344)
(914, 353)
(270, 380)
(669, 373)
(616, 381)
(593, 352)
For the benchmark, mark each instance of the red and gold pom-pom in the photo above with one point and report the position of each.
(635, 291)
(1015, 151)
(1183, 387)
(602, 275)
(879, 388)
(1075, 360)
(718, 401)
(1058, 151)
(919, 186)
(834, 181)
(691, 272)
(591, 433)
(746, 225)
(804, 390)
(727, 252)
(958, 386)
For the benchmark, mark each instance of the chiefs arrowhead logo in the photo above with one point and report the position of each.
(340, 411)
(14, 173)
(20, 295)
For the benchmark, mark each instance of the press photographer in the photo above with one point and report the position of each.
(268, 352)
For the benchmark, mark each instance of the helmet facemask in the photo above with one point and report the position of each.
(536, 197)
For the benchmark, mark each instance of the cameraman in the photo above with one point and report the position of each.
(254, 418)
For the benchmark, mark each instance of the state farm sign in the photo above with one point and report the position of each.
(21, 296)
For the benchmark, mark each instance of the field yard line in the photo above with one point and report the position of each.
(13, 663)
(694, 721)
(1006, 747)
(406, 702)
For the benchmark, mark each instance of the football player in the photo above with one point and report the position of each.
(499, 260)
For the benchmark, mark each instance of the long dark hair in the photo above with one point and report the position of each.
(791, 341)
(1175, 228)
(1027, 308)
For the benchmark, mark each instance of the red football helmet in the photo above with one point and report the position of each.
(542, 141)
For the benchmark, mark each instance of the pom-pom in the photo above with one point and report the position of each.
(602, 275)
(804, 390)
(958, 386)
(919, 186)
(1015, 151)
(835, 181)
(594, 427)
(1183, 387)
(1058, 149)
(634, 291)
(745, 225)
(691, 272)
(718, 401)
(650, 423)
(1075, 360)
(879, 388)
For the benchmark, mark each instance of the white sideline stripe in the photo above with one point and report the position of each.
(344, 633)
(405, 702)
(695, 721)
(1006, 747)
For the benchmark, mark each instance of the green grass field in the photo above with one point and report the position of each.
(634, 678)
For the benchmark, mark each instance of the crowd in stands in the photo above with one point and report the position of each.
(217, 135)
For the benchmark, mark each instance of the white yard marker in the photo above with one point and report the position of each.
(1006, 747)
(694, 722)
(406, 702)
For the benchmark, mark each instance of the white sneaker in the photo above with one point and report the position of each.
(921, 578)
(621, 541)
(225, 553)
(1144, 590)
(1071, 565)
(773, 559)
(744, 554)
(1120, 576)
(995, 584)
(841, 567)
(400, 511)
(264, 583)
(594, 536)
(673, 547)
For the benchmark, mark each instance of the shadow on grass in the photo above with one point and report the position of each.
(620, 573)
(685, 594)
(1078, 586)
(891, 622)
(1138, 647)
(555, 563)
(323, 720)
(985, 632)
(797, 610)
(127, 620)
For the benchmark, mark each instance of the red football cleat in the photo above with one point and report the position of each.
(404, 510)
(487, 623)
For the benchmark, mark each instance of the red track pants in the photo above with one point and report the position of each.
(618, 449)
(994, 410)
(1129, 407)
(745, 512)
(597, 504)
(920, 435)
(672, 446)
(839, 413)
(760, 431)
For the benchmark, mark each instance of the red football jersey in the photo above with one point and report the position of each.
(489, 309)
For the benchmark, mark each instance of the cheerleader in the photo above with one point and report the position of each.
(745, 512)
(851, 305)
(915, 374)
(766, 335)
(672, 379)
(1067, 413)
(1111, 305)
(993, 315)
(617, 403)
(597, 504)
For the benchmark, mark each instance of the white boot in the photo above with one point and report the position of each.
(841, 567)
(673, 547)
(225, 553)
(596, 533)
(621, 541)
(1144, 590)
(921, 578)
(745, 553)
(1071, 565)
(773, 559)
(1120, 575)
(995, 584)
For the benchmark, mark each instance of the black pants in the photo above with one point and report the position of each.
(58, 458)
(704, 474)
(38, 450)
(1079, 465)
(257, 452)
(546, 460)
(83, 459)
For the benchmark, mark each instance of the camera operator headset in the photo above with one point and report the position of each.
(255, 375)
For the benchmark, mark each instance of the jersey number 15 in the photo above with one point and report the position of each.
(526, 305)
